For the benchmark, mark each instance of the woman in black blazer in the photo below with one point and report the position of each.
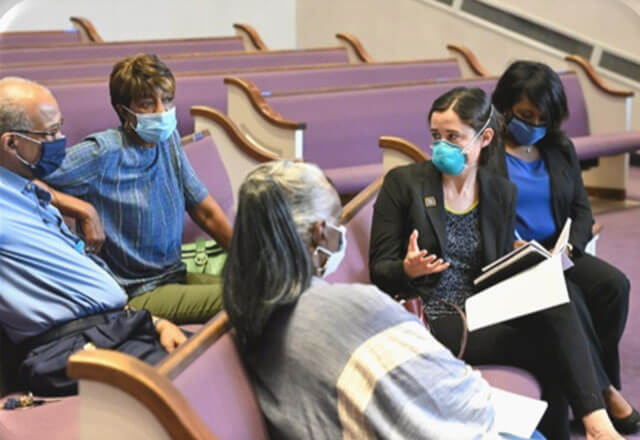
(541, 160)
(455, 210)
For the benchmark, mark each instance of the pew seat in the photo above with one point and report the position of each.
(57, 420)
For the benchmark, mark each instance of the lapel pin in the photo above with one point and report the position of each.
(430, 202)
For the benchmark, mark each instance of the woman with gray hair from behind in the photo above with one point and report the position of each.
(334, 360)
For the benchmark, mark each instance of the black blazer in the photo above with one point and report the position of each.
(411, 197)
(568, 196)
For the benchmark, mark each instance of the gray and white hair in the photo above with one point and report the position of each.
(309, 194)
(13, 116)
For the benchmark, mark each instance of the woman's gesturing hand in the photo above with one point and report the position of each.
(418, 262)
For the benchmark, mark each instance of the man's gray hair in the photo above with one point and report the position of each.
(309, 194)
(13, 116)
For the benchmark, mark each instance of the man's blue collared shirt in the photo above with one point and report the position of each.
(141, 195)
(45, 276)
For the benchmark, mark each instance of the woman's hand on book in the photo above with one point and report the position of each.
(419, 262)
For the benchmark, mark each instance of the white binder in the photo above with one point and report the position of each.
(538, 288)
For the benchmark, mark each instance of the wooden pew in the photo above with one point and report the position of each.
(87, 109)
(17, 39)
(336, 128)
(199, 392)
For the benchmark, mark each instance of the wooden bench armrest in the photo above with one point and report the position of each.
(403, 146)
(87, 30)
(240, 140)
(596, 79)
(361, 199)
(354, 46)
(249, 33)
(253, 94)
(179, 360)
(143, 383)
(471, 61)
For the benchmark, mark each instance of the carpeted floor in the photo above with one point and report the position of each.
(619, 244)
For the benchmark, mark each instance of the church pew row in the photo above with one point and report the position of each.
(339, 128)
(82, 31)
(254, 54)
(86, 106)
(82, 51)
(188, 63)
(17, 39)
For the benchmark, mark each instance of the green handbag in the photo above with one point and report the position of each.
(204, 256)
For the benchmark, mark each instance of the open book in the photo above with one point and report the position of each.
(523, 258)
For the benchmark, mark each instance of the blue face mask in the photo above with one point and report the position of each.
(155, 127)
(451, 159)
(51, 156)
(524, 133)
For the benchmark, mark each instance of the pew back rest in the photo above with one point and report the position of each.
(118, 49)
(36, 38)
(179, 63)
(87, 109)
(204, 157)
(349, 121)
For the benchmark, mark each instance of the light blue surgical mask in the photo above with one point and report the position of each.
(450, 158)
(525, 134)
(155, 127)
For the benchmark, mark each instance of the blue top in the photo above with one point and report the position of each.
(45, 277)
(534, 215)
(141, 195)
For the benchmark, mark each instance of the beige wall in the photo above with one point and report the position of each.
(405, 29)
(145, 19)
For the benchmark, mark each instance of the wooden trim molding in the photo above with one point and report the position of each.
(353, 41)
(179, 360)
(194, 137)
(471, 59)
(596, 79)
(85, 26)
(146, 385)
(254, 151)
(607, 193)
(260, 105)
(252, 34)
(403, 146)
(362, 198)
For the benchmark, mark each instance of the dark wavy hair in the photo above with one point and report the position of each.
(542, 86)
(269, 265)
(473, 107)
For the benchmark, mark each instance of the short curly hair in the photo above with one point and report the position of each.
(137, 77)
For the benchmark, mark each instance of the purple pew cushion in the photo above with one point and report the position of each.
(350, 180)
(511, 379)
(608, 144)
(52, 421)
(214, 61)
(119, 49)
(205, 159)
(218, 388)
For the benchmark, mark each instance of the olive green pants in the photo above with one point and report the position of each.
(194, 302)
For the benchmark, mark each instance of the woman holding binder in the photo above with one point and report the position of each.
(437, 223)
(541, 161)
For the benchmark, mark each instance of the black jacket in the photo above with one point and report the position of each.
(411, 197)
(568, 196)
